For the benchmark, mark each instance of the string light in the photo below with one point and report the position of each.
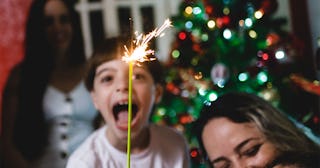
(211, 24)
(188, 10)
(175, 54)
(227, 34)
(258, 14)
(243, 76)
(196, 10)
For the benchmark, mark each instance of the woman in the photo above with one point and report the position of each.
(47, 111)
(243, 130)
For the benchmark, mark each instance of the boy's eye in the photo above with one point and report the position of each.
(106, 79)
(252, 151)
(138, 76)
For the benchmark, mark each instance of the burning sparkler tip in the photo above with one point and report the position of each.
(140, 51)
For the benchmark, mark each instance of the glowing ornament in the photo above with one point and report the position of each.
(220, 74)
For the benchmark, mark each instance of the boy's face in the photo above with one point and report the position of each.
(110, 96)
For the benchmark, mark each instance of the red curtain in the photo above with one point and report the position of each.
(13, 14)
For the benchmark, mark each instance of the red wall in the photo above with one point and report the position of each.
(13, 14)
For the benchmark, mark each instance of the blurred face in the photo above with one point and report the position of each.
(110, 96)
(235, 145)
(58, 25)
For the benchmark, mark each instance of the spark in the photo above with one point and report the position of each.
(141, 50)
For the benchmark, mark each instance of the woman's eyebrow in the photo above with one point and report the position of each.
(238, 147)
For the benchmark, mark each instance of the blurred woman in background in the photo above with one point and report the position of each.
(47, 112)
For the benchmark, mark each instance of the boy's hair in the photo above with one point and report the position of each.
(113, 48)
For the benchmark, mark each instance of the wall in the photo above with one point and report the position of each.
(13, 15)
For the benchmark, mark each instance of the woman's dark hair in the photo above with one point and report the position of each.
(301, 159)
(30, 129)
(245, 107)
(113, 48)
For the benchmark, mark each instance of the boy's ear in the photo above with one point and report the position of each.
(94, 99)
(159, 93)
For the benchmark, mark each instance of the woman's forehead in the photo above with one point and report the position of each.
(55, 7)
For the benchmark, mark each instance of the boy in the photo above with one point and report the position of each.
(152, 146)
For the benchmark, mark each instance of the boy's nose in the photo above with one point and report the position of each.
(123, 85)
(122, 89)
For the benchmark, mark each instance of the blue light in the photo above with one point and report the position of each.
(188, 24)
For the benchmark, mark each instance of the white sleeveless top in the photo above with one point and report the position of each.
(70, 118)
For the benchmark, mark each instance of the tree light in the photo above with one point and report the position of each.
(182, 35)
(188, 25)
(253, 34)
(227, 34)
(258, 14)
(204, 37)
(212, 96)
(248, 22)
(202, 91)
(262, 77)
(243, 76)
(196, 10)
(226, 11)
(161, 111)
(280, 54)
(175, 54)
(211, 24)
(188, 10)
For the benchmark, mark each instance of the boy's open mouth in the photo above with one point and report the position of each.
(120, 112)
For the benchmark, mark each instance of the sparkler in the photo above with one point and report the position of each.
(139, 52)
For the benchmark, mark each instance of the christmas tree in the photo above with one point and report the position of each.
(230, 45)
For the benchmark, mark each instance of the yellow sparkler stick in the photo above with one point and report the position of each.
(129, 114)
(139, 54)
(130, 97)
